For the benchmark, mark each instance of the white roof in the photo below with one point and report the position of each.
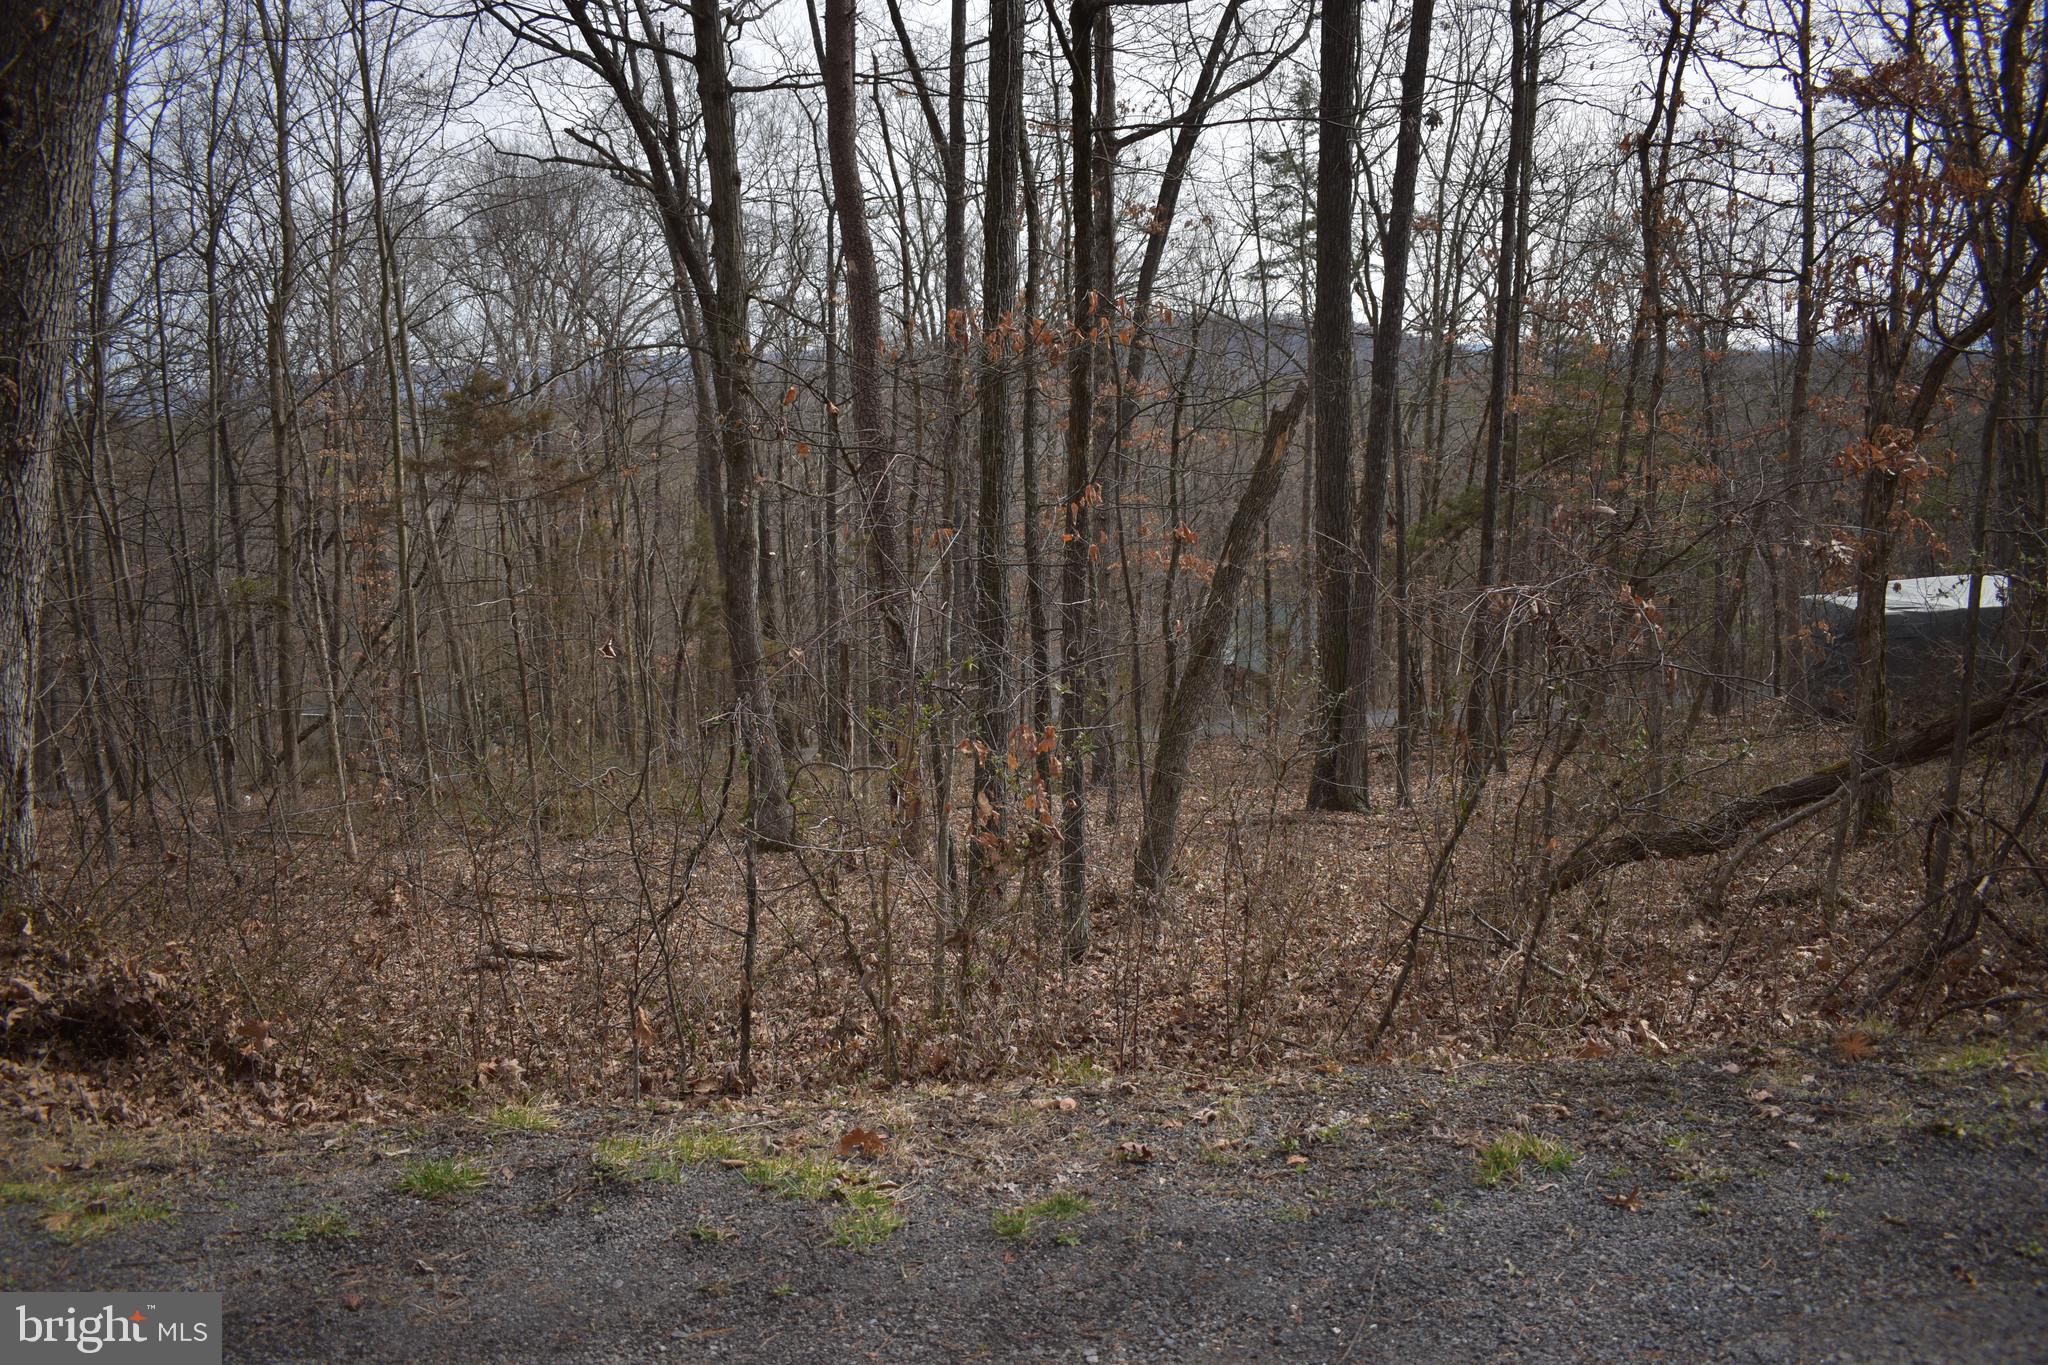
(1942, 592)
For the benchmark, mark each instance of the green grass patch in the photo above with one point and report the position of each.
(1010, 1223)
(1504, 1157)
(442, 1178)
(1970, 1057)
(522, 1118)
(79, 1213)
(1020, 1221)
(325, 1225)
(633, 1158)
(1071, 1068)
(810, 1179)
(868, 1219)
(663, 1158)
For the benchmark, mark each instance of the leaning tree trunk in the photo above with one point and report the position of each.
(56, 63)
(1196, 688)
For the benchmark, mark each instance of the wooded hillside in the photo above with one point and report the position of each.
(668, 546)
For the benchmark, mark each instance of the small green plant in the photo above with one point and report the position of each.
(871, 1218)
(327, 1225)
(711, 1232)
(784, 1290)
(1294, 1213)
(1072, 1068)
(1703, 1208)
(1821, 1215)
(1010, 1223)
(522, 1118)
(1837, 1177)
(1503, 1158)
(441, 1178)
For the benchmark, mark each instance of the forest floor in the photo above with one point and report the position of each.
(1879, 1198)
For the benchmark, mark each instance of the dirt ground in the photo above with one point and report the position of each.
(1786, 1204)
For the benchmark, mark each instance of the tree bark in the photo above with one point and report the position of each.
(1482, 733)
(874, 463)
(56, 64)
(1001, 333)
(1189, 700)
(1336, 782)
(1384, 400)
(1074, 520)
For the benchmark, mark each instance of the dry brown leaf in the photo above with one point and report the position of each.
(862, 1142)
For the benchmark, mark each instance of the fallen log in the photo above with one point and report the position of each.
(1725, 827)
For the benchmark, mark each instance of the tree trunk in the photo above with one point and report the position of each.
(1190, 697)
(1336, 783)
(873, 462)
(1384, 400)
(1074, 520)
(1001, 329)
(56, 63)
(1482, 733)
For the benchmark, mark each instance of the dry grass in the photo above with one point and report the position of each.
(449, 965)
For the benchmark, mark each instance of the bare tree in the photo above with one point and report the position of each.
(1336, 783)
(55, 68)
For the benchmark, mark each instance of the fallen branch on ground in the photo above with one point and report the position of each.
(1724, 829)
